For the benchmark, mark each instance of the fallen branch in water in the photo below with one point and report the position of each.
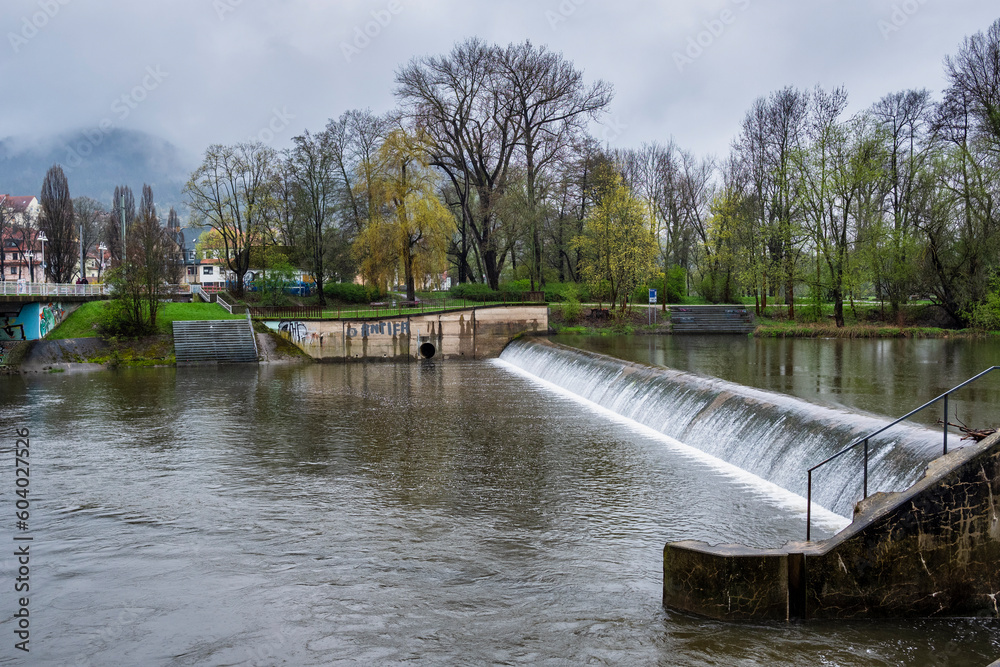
(971, 433)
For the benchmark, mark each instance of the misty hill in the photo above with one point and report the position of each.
(95, 162)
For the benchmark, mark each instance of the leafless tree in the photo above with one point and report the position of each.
(465, 105)
(974, 73)
(90, 214)
(230, 192)
(57, 222)
(313, 167)
(122, 206)
(551, 103)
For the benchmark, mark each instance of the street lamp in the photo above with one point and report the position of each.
(103, 248)
(30, 256)
(42, 238)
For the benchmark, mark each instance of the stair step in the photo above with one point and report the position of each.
(214, 341)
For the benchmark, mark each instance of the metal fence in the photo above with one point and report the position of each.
(17, 288)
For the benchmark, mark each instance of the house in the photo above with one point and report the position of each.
(21, 251)
(22, 211)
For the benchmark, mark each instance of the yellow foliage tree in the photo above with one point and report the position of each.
(409, 226)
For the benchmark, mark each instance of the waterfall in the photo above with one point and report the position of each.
(771, 435)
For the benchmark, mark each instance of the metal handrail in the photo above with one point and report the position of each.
(864, 441)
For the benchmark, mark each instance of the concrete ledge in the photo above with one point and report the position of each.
(931, 550)
(475, 333)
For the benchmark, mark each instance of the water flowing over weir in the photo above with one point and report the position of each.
(771, 435)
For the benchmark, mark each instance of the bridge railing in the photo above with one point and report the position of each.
(15, 288)
(863, 440)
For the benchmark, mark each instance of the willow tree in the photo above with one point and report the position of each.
(618, 246)
(414, 226)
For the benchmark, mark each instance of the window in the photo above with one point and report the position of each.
(190, 270)
(13, 271)
(207, 270)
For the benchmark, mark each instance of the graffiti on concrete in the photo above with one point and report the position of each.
(49, 317)
(10, 329)
(297, 331)
(378, 329)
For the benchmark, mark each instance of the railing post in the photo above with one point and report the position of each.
(866, 469)
(809, 507)
(945, 420)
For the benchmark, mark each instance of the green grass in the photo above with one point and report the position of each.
(798, 330)
(80, 323)
(184, 312)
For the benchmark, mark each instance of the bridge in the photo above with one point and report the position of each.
(28, 311)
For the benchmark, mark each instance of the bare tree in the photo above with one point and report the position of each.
(6, 234)
(903, 118)
(230, 192)
(313, 167)
(975, 76)
(551, 104)
(122, 206)
(58, 224)
(465, 105)
(175, 247)
(90, 214)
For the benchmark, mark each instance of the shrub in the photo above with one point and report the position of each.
(351, 292)
(474, 292)
(116, 320)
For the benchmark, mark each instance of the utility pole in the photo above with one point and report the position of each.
(121, 208)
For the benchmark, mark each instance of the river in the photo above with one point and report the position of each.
(436, 512)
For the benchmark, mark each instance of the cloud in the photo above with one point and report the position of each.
(231, 65)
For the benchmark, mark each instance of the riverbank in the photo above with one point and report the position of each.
(77, 343)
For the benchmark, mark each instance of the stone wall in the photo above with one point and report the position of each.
(477, 333)
(931, 550)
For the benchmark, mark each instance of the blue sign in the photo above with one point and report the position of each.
(652, 296)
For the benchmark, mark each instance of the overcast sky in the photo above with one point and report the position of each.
(198, 72)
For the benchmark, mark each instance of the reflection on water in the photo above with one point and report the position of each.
(439, 513)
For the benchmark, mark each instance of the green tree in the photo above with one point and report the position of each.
(618, 246)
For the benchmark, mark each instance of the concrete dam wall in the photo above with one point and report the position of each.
(476, 333)
(931, 550)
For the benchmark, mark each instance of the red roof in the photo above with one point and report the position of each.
(16, 204)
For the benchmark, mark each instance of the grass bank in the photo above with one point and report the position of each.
(82, 322)
(799, 330)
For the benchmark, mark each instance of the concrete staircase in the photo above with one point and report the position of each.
(711, 320)
(229, 341)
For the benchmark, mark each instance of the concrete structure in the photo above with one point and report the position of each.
(217, 341)
(475, 333)
(931, 550)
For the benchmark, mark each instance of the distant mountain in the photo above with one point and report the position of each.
(95, 162)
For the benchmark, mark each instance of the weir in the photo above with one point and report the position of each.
(927, 548)
(773, 436)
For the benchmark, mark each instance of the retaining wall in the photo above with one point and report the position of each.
(477, 333)
(931, 550)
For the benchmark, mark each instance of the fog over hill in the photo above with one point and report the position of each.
(95, 162)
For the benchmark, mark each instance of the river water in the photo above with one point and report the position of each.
(435, 513)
